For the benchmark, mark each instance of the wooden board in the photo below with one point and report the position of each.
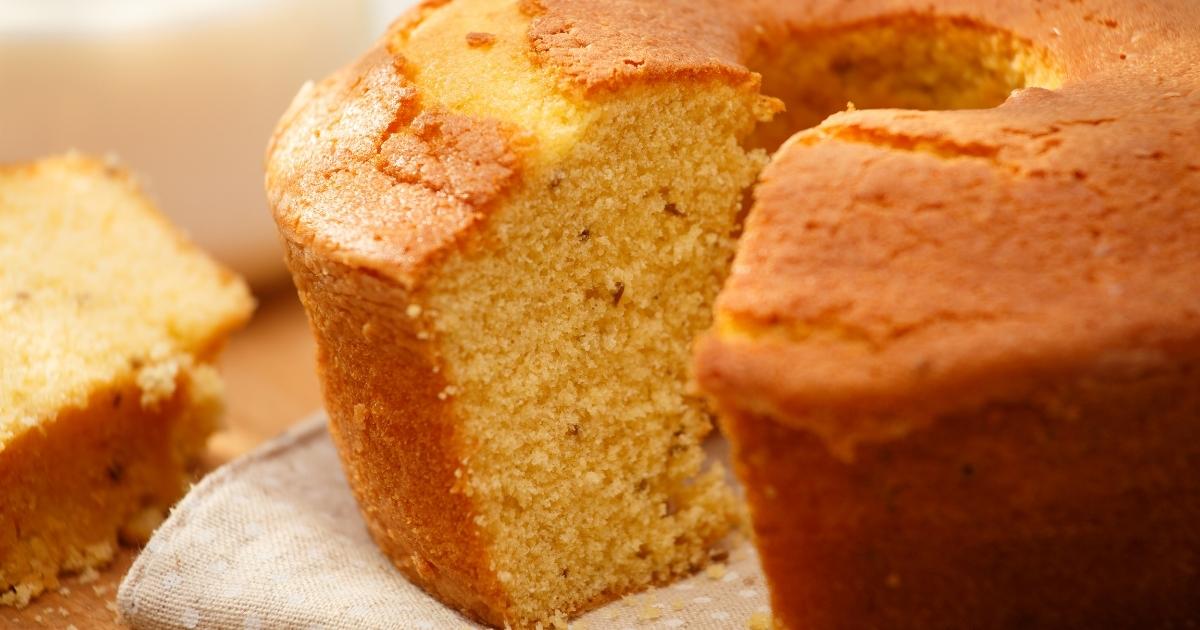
(270, 383)
(83, 602)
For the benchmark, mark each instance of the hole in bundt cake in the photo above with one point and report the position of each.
(906, 62)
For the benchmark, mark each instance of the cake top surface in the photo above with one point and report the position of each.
(1054, 225)
(95, 285)
(878, 272)
(396, 159)
(607, 43)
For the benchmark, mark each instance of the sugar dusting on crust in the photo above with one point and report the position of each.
(360, 146)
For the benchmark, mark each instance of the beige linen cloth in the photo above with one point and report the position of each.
(274, 540)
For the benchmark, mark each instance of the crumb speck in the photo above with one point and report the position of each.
(480, 40)
(715, 571)
(618, 292)
(649, 613)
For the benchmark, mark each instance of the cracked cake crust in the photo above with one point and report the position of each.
(358, 145)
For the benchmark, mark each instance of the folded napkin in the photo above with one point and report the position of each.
(274, 540)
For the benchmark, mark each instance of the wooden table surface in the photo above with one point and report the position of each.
(270, 384)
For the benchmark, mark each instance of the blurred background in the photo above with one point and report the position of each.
(184, 92)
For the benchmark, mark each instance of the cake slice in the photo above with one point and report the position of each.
(109, 322)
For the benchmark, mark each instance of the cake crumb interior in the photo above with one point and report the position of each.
(94, 286)
(570, 343)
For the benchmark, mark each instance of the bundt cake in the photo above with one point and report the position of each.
(109, 322)
(958, 354)
(509, 219)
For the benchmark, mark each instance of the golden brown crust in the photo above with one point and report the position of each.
(609, 43)
(930, 259)
(998, 257)
(328, 165)
(370, 189)
(1008, 292)
(395, 433)
(1073, 508)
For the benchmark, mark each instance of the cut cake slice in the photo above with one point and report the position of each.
(109, 323)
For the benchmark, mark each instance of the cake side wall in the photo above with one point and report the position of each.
(1076, 507)
(397, 438)
(108, 470)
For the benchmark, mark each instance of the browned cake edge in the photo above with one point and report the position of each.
(1074, 506)
(93, 475)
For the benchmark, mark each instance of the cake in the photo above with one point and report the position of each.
(509, 220)
(109, 323)
(958, 354)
